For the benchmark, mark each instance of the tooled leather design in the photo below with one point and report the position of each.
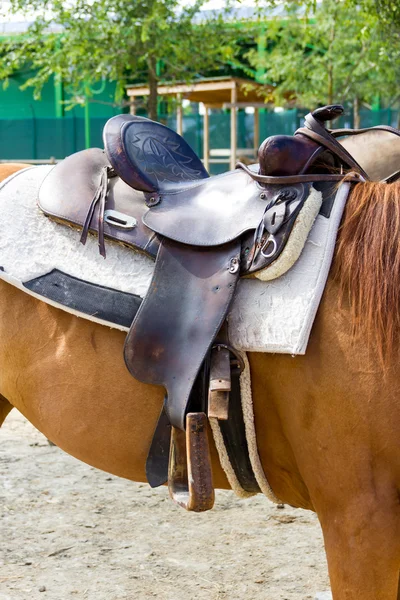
(163, 159)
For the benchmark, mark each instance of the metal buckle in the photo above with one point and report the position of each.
(238, 359)
(119, 220)
(270, 240)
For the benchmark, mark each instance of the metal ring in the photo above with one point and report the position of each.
(272, 240)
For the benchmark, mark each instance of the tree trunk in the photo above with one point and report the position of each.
(356, 113)
(153, 84)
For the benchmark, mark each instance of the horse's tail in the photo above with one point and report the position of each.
(367, 263)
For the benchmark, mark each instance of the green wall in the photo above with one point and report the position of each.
(40, 129)
(18, 103)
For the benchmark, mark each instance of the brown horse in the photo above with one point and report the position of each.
(327, 423)
(8, 169)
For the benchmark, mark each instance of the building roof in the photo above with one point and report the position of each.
(215, 91)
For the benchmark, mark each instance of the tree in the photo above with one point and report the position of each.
(85, 41)
(334, 51)
(388, 12)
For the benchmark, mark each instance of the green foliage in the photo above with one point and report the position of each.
(388, 11)
(86, 41)
(334, 51)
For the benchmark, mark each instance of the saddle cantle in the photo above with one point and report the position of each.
(149, 156)
(150, 191)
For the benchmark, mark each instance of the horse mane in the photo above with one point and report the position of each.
(367, 263)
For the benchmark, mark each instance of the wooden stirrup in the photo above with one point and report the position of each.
(190, 476)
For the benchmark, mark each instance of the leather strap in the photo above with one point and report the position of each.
(158, 457)
(316, 131)
(233, 429)
(354, 177)
(334, 147)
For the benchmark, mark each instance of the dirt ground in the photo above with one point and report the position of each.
(69, 531)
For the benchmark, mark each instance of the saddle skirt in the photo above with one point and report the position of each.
(266, 316)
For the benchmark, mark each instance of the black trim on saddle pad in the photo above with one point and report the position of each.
(98, 301)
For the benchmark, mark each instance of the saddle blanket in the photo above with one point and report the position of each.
(38, 255)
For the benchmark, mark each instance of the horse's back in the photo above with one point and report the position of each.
(7, 169)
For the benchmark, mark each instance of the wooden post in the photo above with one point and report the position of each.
(132, 106)
(256, 132)
(179, 114)
(356, 113)
(233, 127)
(206, 138)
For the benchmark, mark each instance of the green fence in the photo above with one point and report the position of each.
(35, 139)
(32, 138)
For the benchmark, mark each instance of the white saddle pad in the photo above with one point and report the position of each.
(274, 316)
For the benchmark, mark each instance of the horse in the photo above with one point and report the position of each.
(327, 423)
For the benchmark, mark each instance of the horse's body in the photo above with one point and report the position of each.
(8, 169)
(327, 423)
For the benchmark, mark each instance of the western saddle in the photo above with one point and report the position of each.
(150, 191)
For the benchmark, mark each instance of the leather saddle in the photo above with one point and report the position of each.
(150, 191)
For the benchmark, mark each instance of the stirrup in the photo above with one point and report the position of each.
(190, 476)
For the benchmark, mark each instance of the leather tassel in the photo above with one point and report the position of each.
(89, 215)
(99, 196)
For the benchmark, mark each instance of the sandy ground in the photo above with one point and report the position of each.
(69, 531)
